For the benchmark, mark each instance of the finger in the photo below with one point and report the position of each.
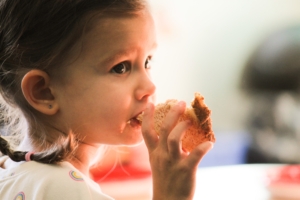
(170, 122)
(149, 134)
(175, 137)
(198, 153)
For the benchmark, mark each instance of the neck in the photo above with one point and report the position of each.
(84, 156)
(82, 159)
(25, 145)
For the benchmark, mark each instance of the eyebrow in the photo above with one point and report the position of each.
(122, 53)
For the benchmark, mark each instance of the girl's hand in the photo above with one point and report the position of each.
(173, 170)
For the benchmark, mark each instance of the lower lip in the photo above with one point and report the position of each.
(135, 123)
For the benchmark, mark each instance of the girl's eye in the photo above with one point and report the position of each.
(148, 63)
(120, 68)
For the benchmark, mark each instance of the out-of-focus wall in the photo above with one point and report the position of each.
(204, 45)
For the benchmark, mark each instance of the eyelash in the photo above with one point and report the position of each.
(126, 66)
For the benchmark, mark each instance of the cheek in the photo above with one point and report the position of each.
(113, 112)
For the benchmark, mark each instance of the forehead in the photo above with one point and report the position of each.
(128, 31)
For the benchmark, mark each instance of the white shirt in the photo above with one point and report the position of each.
(36, 181)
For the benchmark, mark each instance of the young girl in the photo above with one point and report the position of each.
(77, 71)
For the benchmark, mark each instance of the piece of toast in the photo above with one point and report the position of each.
(199, 115)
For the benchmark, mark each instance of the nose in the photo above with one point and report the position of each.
(145, 87)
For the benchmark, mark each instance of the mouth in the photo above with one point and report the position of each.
(136, 121)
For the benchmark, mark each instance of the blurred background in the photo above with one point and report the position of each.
(206, 46)
(244, 58)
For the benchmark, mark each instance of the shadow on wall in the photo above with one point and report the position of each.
(271, 79)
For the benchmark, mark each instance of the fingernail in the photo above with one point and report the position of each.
(181, 103)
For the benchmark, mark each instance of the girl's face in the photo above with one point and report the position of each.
(108, 81)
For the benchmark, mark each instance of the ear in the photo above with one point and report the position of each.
(38, 93)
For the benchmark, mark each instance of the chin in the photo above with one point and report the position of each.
(133, 144)
(132, 137)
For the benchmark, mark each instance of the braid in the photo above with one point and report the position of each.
(16, 156)
(58, 154)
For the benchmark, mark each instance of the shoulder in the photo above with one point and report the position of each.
(62, 181)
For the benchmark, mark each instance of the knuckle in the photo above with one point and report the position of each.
(160, 160)
(172, 141)
(174, 111)
(164, 128)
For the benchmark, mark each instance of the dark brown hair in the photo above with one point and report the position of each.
(37, 34)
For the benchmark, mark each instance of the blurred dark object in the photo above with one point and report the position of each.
(275, 65)
(272, 80)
